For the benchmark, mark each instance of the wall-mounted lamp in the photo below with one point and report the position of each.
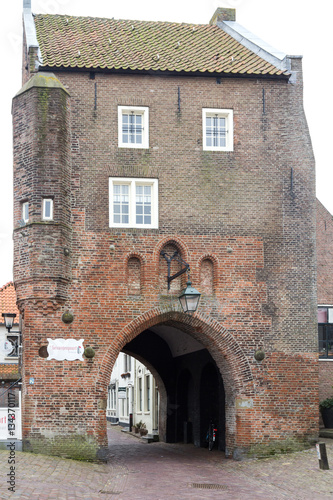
(189, 297)
(9, 320)
(15, 337)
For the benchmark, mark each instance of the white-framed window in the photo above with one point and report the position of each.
(325, 332)
(127, 363)
(133, 202)
(147, 393)
(47, 209)
(133, 127)
(217, 126)
(25, 211)
(140, 394)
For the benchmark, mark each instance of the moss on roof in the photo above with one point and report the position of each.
(97, 43)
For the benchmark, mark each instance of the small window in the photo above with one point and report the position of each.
(147, 393)
(133, 128)
(140, 394)
(325, 332)
(25, 211)
(47, 209)
(133, 202)
(217, 125)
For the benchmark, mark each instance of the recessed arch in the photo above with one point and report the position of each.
(134, 277)
(171, 246)
(230, 360)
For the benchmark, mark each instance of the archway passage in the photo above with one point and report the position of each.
(193, 391)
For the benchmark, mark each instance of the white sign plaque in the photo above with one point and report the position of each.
(6, 347)
(121, 392)
(61, 349)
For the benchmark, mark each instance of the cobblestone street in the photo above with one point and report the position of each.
(163, 471)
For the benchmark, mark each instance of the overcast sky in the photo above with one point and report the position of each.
(295, 27)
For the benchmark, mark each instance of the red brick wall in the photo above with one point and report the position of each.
(325, 379)
(246, 211)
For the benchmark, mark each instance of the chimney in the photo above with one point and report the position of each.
(222, 14)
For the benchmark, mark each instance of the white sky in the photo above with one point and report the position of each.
(295, 27)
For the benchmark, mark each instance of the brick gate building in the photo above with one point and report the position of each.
(131, 138)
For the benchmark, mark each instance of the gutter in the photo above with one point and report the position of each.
(30, 33)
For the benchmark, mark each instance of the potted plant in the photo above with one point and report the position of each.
(138, 426)
(326, 409)
(143, 431)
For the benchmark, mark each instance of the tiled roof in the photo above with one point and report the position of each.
(86, 42)
(8, 301)
(9, 371)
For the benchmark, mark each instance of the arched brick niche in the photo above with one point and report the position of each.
(170, 247)
(134, 275)
(207, 276)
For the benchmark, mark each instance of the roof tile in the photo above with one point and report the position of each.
(8, 300)
(86, 42)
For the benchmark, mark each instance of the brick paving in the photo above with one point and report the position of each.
(160, 471)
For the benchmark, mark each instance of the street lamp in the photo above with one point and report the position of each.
(9, 320)
(189, 297)
(14, 338)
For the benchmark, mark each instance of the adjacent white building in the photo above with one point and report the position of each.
(133, 394)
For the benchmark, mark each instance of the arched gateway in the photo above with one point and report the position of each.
(119, 164)
(153, 333)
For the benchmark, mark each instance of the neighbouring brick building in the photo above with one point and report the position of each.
(135, 137)
(325, 300)
(9, 367)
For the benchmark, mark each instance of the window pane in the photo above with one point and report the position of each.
(47, 209)
(25, 211)
(330, 315)
(120, 203)
(325, 340)
(216, 131)
(143, 204)
(329, 339)
(322, 315)
(132, 129)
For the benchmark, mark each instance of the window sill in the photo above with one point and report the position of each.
(128, 146)
(218, 150)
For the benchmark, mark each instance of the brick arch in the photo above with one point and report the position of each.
(215, 264)
(167, 244)
(223, 347)
(171, 240)
(134, 255)
(141, 261)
